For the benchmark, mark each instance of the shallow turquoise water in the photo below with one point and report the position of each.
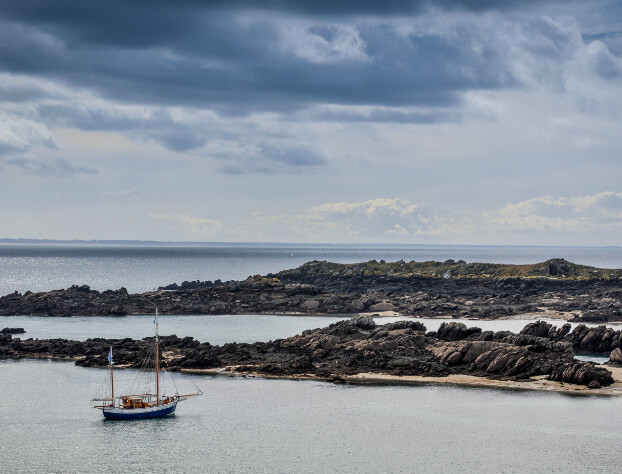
(260, 425)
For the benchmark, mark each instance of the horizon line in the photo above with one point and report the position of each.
(6, 240)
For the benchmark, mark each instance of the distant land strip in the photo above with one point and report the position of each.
(450, 289)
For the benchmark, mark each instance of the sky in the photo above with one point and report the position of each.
(443, 122)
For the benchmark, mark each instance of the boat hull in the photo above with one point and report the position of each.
(135, 413)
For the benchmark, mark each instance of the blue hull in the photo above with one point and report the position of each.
(128, 414)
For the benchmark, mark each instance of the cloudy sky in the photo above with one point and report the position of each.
(463, 122)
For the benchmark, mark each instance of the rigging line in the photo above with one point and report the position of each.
(103, 387)
(179, 370)
(141, 383)
(167, 363)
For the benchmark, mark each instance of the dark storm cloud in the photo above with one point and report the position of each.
(240, 58)
(140, 18)
(234, 59)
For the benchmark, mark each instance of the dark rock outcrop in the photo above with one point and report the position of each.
(584, 340)
(426, 289)
(345, 348)
(13, 331)
(616, 357)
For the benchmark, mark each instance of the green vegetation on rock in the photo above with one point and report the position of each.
(553, 268)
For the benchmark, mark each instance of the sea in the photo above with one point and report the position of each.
(252, 424)
(141, 267)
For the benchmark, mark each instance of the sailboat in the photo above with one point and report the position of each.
(141, 405)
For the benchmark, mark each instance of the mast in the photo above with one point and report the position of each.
(157, 359)
(111, 376)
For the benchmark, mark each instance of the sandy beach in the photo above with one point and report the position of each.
(535, 383)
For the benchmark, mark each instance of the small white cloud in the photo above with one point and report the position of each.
(565, 214)
(194, 225)
(397, 230)
(126, 194)
(372, 220)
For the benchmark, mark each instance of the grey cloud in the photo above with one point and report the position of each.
(384, 115)
(270, 158)
(59, 168)
(92, 117)
(182, 140)
(607, 200)
(613, 39)
(603, 62)
(156, 124)
(126, 195)
(9, 148)
(291, 155)
(22, 93)
(18, 135)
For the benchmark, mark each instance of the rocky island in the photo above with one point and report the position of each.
(555, 288)
(358, 351)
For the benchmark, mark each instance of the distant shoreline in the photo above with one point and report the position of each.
(449, 289)
(287, 244)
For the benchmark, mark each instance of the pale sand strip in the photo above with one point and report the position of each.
(535, 383)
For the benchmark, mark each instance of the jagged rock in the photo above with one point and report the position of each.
(581, 373)
(455, 331)
(583, 339)
(559, 267)
(353, 288)
(616, 356)
(311, 305)
(383, 306)
(537, 329)
(348, 347)
(362, 321)
(13, 331)
(117, 310)
(405, 324)
(358, 305)
(594, 384)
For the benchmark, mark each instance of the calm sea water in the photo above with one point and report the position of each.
(139, 268)
(219, 329)
(259, 425)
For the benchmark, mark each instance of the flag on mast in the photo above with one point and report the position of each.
(110, 355)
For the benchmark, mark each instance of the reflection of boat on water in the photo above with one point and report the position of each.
(151, 404)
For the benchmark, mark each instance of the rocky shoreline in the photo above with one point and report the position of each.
(346, 349)
(429, 289)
